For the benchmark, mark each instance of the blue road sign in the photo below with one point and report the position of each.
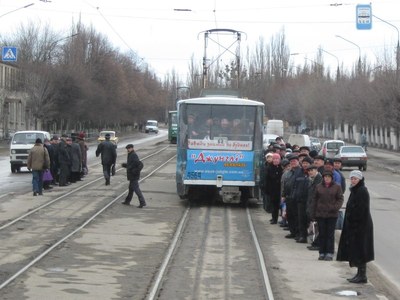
(364, 16)
(9, 54)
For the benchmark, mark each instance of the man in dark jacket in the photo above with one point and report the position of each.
(108, 156)
(64, 161)
(133, 168)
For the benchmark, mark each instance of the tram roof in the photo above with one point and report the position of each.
(222, 101)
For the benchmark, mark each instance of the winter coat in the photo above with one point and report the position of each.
(108, 152)
(38, 158)
(312, 184)
(273, 176)
(300, 188)
(51, 151)
(356, 243)
(63, 155)
(84, 148)
(133, 166)
(289, 184)
(327, 201)
(76, 157)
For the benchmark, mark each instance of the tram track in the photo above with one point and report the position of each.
(41, 232)
(65, 195)
(213, 260)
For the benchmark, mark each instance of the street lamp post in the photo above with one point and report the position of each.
(398, 45)
(318, 69)
(26, 6)
(359, 52)
(177, 92)
(337, 59)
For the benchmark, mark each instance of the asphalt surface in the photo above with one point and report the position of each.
(309, 278)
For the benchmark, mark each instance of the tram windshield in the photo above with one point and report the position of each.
(218, 126)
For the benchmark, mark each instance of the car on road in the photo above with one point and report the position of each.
(268, 139)
(353, 156)
(315, 143)
(151, 126)
(113, 136)
(330, 148)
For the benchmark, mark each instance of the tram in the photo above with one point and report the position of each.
(219, 148)
(172, 126)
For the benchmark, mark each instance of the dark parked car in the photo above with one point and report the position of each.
(353, 156)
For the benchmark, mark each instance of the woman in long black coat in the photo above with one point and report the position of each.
(356, 243)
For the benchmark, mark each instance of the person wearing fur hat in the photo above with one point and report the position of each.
(356, 243)
(328, 199)
(38, 161)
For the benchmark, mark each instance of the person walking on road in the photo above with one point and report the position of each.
(356, 243)
(328, 199)
(108, 156)
(133, 167)
(38, 161)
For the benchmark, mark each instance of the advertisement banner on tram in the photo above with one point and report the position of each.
(232, 165)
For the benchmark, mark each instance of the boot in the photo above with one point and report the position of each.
(362, 276)
(354, 277)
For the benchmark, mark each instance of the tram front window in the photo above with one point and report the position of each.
(220, 122)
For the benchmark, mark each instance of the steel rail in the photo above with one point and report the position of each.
(78, 229)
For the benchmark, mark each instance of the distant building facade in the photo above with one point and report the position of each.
(14, 112)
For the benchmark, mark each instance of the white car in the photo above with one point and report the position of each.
(268, 139)
(151, 126)
(330, 148)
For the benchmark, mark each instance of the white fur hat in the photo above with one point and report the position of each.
(356, 174)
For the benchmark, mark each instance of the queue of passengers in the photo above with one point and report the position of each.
(294, 179)
(59, 161)
(308, 189)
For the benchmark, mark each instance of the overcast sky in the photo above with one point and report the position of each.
(166, 33)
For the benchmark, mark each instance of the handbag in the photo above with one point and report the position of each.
(339, 221)
(47, 175)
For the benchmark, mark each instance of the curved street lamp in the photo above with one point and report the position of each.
(359, 51)
(26, 6)
(398, 45)
(337, 59)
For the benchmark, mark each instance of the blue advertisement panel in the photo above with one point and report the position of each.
(207, 164)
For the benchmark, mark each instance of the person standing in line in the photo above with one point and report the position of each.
(273, 186)
(38, 161)
(54, 165)
(328, 199)
(337, 165)
(288, 195)
(356, 243)
(315, 178)
(76, 158)
(51, 151)
(84, 149)
(64, 161)
(108, 156)
(133, 167)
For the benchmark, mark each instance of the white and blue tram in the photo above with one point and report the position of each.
(220, 148)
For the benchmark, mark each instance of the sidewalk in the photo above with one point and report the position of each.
(298, 274)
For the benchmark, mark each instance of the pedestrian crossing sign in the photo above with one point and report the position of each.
(9, 54)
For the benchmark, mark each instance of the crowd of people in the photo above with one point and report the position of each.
(58, 161)
(306, 190)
